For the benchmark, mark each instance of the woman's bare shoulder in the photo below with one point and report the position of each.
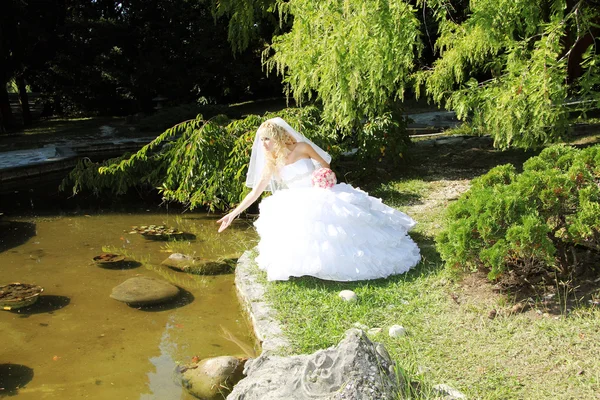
(303, 147)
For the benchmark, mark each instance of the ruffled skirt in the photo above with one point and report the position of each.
(339, 234)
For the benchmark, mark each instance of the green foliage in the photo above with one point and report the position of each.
(514, 70)
(355, 57)
(541, 220)
(382, 139)
(244, 17)
(188, 163)
(203, 163)
(505, 68)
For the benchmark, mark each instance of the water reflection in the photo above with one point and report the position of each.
(44, 304)
(161, 383)
(13, 377)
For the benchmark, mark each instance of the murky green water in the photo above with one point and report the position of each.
(77, 342)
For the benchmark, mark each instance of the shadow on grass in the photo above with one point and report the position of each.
(396, 198)
(467, 160)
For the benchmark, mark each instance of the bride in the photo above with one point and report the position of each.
(339, 234)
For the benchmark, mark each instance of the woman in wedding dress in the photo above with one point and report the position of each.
(340, 233)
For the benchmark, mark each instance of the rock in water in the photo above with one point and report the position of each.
(143, 291)
(212, 378)
(197, 265)
(354, 369)
(181, 262)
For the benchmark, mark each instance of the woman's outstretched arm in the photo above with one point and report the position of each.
(247, 202)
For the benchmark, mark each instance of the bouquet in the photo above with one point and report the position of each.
(323, 178)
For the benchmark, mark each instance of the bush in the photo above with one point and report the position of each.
(543, 220)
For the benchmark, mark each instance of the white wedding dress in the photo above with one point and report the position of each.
(338, 234)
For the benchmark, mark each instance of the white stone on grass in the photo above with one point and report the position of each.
(396, 331)
(448, 392)
(348, 295)
(360, 326)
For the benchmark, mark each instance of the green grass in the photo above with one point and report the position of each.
(450, 338)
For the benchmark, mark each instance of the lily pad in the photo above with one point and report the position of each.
(159, 232)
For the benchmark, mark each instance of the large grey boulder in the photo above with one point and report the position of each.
(355, 369)
(143, 291)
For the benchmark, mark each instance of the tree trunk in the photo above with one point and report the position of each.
(24, 99)
(8, 120)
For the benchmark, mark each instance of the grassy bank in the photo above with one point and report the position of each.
(460, 330)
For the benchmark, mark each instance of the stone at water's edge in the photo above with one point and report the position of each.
(143, 291)
(355, 369)
(212, 378)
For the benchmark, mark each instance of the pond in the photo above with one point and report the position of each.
(78, 342)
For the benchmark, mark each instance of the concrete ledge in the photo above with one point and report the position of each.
(25, 169)
(252, 297)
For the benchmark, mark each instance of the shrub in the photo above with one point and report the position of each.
(543, 220)
(382, 139)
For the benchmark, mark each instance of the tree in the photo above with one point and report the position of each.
(509, 68)
(28, 32)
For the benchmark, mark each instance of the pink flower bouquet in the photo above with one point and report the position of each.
(323, 178)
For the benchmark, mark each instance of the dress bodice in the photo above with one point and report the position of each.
(297, 174)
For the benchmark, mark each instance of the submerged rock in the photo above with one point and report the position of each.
(180, 262)
(354, 369)
(143, 291)
(197, 265)
(212, 378)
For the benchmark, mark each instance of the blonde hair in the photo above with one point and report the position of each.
(276, 158)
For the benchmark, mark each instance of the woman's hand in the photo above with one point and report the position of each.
(226, 221)
(248, 200)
